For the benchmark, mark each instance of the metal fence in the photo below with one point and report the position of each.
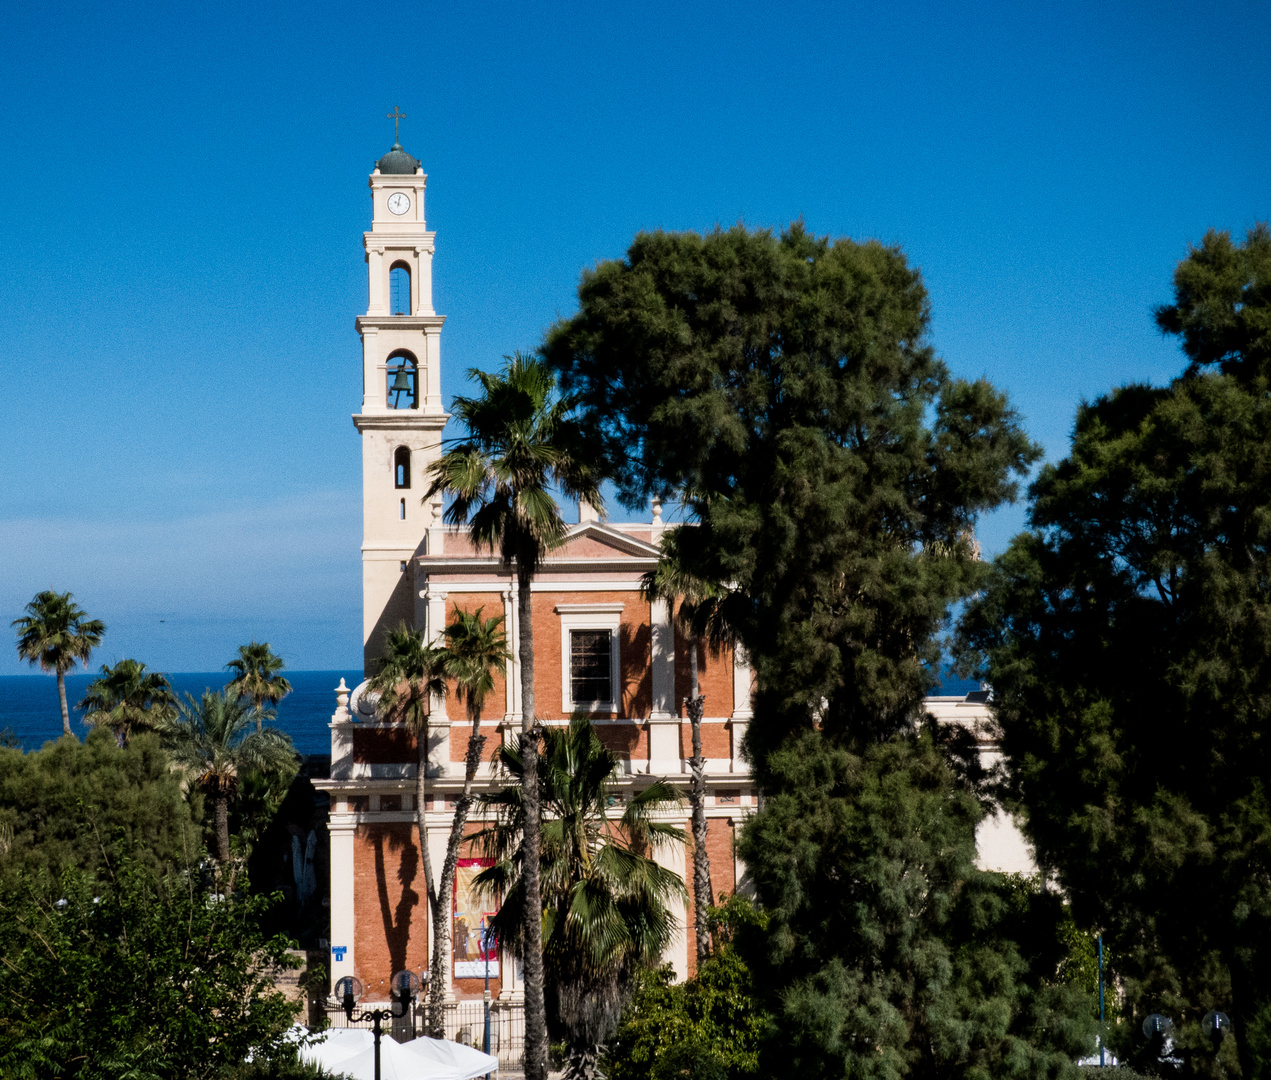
(465, 1023)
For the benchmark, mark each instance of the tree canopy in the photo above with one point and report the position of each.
(258, 676)
(55, 633)
(214, 740)
(125, 974)
(784, 388)
(1127, 636)
(72, 805)
(128, 698)
(887, 953)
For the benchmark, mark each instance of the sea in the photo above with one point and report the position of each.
(29, 705)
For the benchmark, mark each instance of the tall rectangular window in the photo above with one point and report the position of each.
(590, 666)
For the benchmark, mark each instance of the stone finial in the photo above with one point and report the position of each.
(586, 512)
(341, 714)
(657, 510)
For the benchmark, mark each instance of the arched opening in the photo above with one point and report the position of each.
(399, 289)
(403, 381)
(401, 467)
(401, 513)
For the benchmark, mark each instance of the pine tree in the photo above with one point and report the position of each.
(1127, 635)
(784, 388)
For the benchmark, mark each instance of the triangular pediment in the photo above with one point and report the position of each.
(593, 540)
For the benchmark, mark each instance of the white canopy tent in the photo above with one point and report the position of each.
(351, 1052)
(460, 1062)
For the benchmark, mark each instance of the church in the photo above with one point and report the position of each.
(600, 648)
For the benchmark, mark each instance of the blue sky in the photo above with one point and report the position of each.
(183, 191)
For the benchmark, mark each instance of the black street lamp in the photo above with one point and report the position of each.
(405, 986)
(1157, 1029)
(1216, 1025)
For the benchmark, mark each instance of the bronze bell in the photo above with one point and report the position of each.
(401, 382)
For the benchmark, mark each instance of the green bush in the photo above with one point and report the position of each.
(707, 1028)
(75, 805)
(128, 974)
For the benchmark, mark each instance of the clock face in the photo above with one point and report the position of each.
(398, 203)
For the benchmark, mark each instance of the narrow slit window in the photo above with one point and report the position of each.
(590, 666)
(399, 289)
(402, 511)
(401, 467)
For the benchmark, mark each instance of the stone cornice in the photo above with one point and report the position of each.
(399, 322)
(453, 564)
(400, 420)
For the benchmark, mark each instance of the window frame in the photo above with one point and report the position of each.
(606, 617)
(399, 452)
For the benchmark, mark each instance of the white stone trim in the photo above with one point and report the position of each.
(590, 609)
(484, 564)
(606, 619)
(619, 585)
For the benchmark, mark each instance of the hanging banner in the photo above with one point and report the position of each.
(472, 961)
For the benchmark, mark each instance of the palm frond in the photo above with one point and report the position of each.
(606, 904)
(55, 632)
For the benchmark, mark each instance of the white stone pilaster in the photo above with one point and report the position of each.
(438, 836)
(377, 301)
(341, 750)
(742, 679)
(672, 857)
(435, 635)
(342, 896)
(512, 606)
(435, 632)
(374, 384)
(742, 713)
(663, 661)
(509, 682)
(430, 395)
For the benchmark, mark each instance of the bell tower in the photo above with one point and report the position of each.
(401, 419)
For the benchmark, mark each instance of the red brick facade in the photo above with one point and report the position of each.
(380, 914)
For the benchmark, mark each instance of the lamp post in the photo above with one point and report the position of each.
(1102, 1025)
(486, 936)
(405, 986)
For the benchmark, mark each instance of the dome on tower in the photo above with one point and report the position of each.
(397, 162)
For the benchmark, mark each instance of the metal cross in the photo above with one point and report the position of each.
(397, 116)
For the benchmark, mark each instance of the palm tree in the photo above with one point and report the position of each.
(411, 675)
(54, 633)
(214, 739)
(256, 677)
(698, 618)
(129, 698)
(476, 648)
(521, 441)
(604, 913)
